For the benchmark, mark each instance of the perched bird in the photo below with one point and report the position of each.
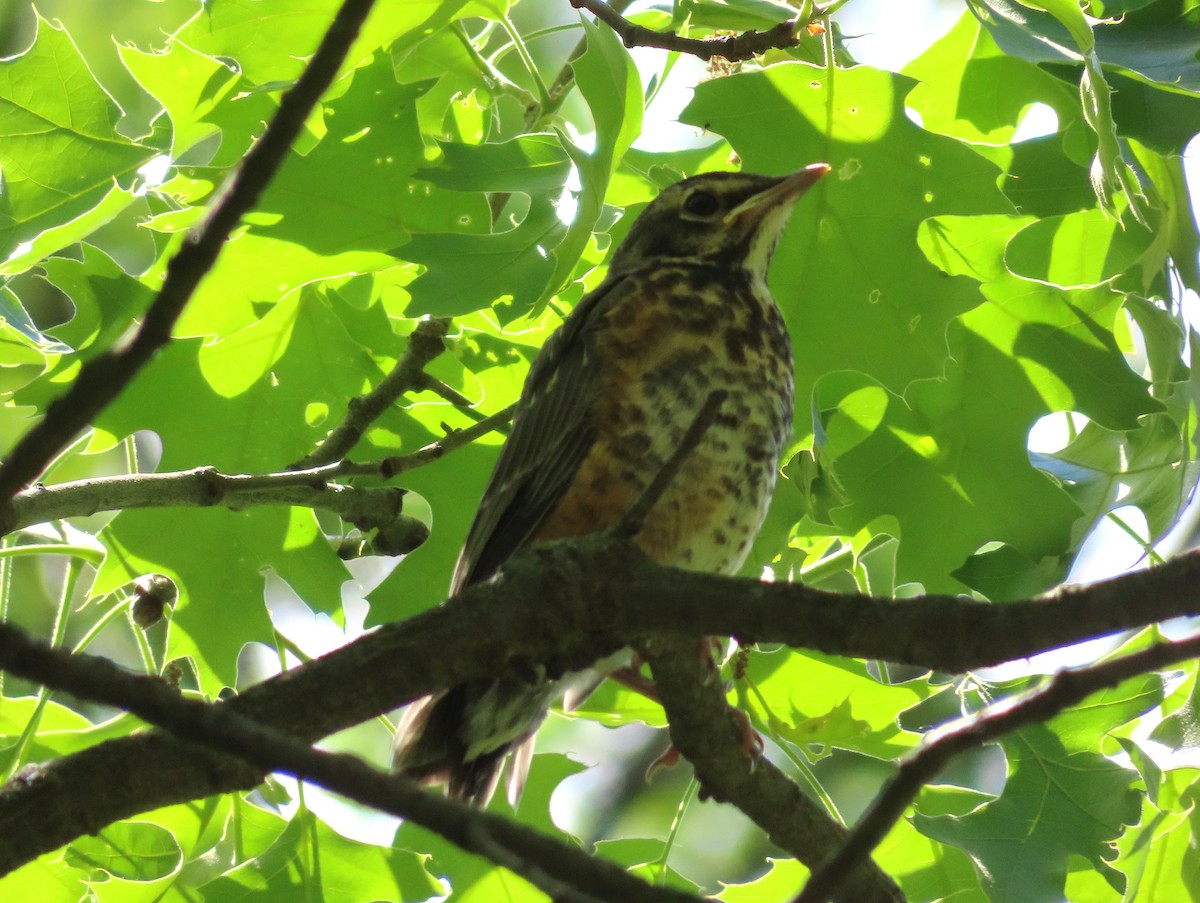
(684, 310)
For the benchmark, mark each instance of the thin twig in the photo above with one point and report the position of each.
(566, 873)
(398, 464)
(448, 393)
(103, 378)
(1065, 689)
(425, 343)
(631, 521)
(734, 48)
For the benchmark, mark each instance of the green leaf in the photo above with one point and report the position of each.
(528, 163)
(1078, 250)
(48, 880)
(206, 100)
(310, 201)
(127, 852)
(271, 44)
(970, 89)
(817, 700)
(1062, 799)
(511, 267)
(59, 149)
(310, 860)
(609, 83)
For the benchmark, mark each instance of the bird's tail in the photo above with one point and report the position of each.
(461, 737)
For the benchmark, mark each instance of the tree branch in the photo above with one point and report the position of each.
(1065, 689)
(203, 487)
(103, 378)
(605, 593)
(425, 343)
(731, 47)
(367, 507)
(702, 729)
(564, 872)
(397, 464)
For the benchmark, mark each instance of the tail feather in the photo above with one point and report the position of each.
(462, 736)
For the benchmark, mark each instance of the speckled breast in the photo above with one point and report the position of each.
(681, 333)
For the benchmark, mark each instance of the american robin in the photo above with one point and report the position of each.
(684, 310)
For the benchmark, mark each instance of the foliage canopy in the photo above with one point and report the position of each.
(994, 356)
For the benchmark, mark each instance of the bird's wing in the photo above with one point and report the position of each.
(550, 437)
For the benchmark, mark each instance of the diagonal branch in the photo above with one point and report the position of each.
(103, 378)
(1065, 689)
(565, 872)
(734, 48)
(425, 343)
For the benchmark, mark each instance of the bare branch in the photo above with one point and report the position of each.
(368, 507)
(1065, 689)
(565, 872)
(103, 378)
(398, 464)
(202, 487)
(731, 47)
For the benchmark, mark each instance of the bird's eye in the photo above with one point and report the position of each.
(701, 203)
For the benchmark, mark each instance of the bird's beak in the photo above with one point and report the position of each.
(783, 193)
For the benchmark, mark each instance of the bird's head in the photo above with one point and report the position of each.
(734, 218)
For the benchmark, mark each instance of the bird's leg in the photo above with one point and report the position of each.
(632, 677)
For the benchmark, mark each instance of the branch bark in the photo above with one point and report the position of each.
(734, 48)
(604, 594)
(564, 872)
(370, 507)
(703, 731)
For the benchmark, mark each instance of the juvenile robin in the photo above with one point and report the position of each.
(684, 311)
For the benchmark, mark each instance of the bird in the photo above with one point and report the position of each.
(684, 310)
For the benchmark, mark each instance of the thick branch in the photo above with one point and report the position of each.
(103, 378)
(560, 870)
(603, 593)
(731, 47)
(702, 729)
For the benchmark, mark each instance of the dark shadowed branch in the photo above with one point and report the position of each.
(564, 872)
(605, 593)
(702, 729)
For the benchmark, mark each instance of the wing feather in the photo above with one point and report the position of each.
(550, 437)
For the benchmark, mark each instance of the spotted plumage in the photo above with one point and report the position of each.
(684, 310)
